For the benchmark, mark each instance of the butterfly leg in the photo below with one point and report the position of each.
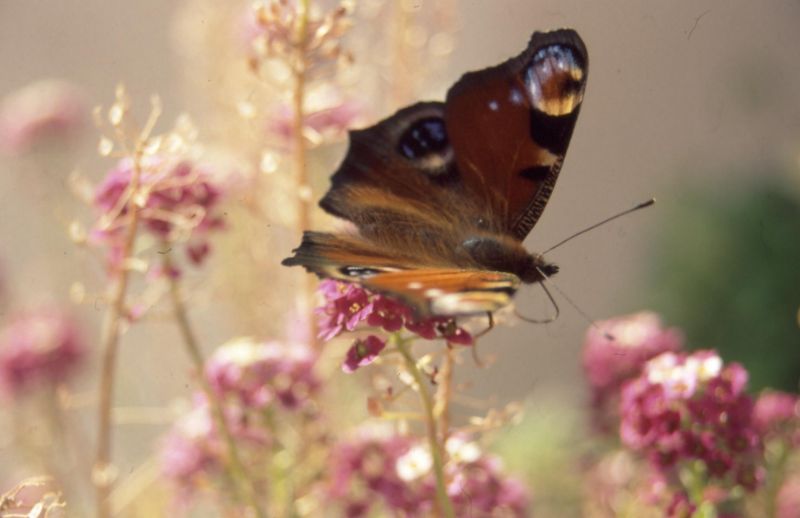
(490, 326)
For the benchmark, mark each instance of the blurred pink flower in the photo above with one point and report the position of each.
(319, 124)
(690, 407)
(362, 352)
(396, 471)
(777, 414)
(192, 454)
(180, 201)
(45, 108)
(480, 488)
(615, 351)
(787, 501)
(38, 348)
(257, 374)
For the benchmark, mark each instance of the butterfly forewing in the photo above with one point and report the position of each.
(510, 125)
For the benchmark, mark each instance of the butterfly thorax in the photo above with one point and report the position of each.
(503, 254)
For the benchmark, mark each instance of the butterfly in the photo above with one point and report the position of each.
(443, 194)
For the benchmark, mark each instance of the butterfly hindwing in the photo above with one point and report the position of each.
(437, 291)
(442, 291)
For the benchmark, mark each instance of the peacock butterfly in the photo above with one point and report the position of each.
(442, 194)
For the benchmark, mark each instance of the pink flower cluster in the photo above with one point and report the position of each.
(690, 407)
(193, 452)
(349, 306)
(178, 200)
(250, 377)
(615, 351)
(257, 374)
(396, 470)
(38, 348)
(39, 110)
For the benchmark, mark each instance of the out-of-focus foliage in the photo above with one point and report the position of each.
(727, 270)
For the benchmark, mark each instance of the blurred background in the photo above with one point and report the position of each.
(693, 103)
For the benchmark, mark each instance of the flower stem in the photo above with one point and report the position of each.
(236, 470)
(444, 393)
(300, 151)
(445, 506)
(102, 475)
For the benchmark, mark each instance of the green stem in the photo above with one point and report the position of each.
(237, 472)
(445, 506)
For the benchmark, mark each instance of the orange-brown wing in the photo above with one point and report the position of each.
(443, 291)
(509, 126)
(428, 290)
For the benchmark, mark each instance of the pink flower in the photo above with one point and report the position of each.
(388, 314)
(362, 352)
(319, 124)
(345, 307)
(180, 201)
(680, 506)
(690, 407)
(787, 501)
(38, 348)
(396, 471)
(363, 470)
(615, 351)
(256, 374)
(480, 488)
(348, 305)
(440, 327)
(777, 414)
(193, 453)
(39, 110)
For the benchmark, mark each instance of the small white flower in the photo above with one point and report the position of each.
(680, 382)
(414, 464)
(659, 369)
(709, 367)
(462, 451)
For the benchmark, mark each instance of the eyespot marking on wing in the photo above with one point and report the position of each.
(359, 271)
(426, 144)
(555, 80)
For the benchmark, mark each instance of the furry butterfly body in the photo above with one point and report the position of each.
(442, 194)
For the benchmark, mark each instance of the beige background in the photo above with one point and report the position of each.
(679, 92)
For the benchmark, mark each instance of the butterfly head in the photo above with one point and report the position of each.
(537, 269)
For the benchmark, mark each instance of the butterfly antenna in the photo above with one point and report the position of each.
(642, 205)
(552, 301)
(581, 312)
